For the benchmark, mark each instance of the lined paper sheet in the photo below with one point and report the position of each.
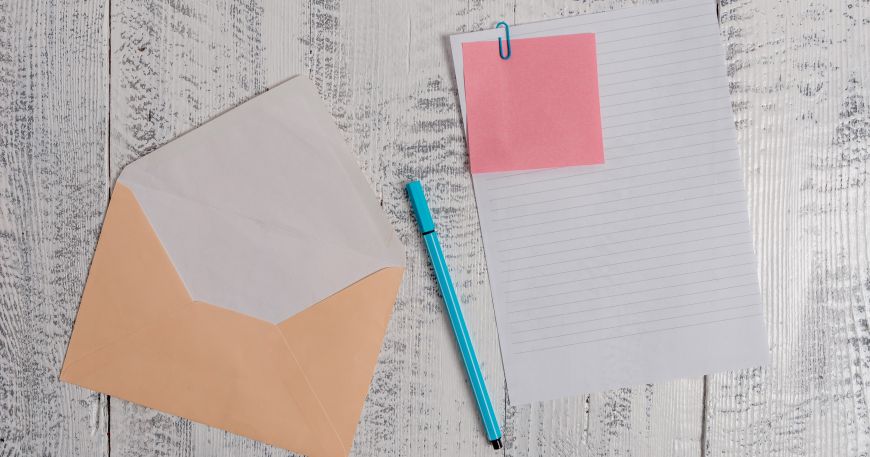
(641, 269)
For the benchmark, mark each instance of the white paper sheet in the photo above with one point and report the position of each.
(263, 210)
(641, 269)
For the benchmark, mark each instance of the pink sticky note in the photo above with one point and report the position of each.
(538, 109)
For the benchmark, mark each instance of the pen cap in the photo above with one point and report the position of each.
(420, 207)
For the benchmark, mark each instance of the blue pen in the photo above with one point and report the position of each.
(454, 309)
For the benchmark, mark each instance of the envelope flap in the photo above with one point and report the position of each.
(139, 336)
(263, 210)
(337, 341)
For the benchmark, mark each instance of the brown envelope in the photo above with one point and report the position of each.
(299, 383)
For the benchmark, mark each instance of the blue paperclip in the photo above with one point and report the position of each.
(507, 37)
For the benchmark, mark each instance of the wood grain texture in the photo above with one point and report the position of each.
(799, 76)
(799, 79)
(53, 191)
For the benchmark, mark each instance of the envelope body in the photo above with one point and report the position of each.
(244, 278)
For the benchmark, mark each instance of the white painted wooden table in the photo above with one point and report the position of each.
(86, 86)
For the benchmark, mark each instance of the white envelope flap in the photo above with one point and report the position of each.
(263, 210)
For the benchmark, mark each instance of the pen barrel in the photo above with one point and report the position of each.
(463, 338)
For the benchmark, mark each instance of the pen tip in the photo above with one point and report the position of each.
(496, 443)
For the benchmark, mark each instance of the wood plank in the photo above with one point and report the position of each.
(53, 191)
(420, 402)
(174, 66)
(800, 89)
(164, 83)
(662, 419)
